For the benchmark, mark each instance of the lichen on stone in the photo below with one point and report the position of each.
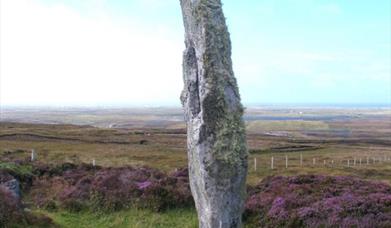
(216, 132)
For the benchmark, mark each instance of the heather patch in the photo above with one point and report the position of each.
(319, 201)
(111, 189)
(297, 201)
(13, 215)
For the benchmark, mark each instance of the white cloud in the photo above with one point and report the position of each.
(55, 55)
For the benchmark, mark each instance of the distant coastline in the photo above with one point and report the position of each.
(172, 106)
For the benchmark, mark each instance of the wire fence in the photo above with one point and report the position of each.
(297, 161)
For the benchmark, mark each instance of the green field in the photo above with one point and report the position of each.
(129, 218)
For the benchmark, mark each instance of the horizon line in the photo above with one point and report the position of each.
(246, 105)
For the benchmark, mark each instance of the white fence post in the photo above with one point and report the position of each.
(301, 159)
(255, 164)
(286, 161)
(33, 155)
(93, 162)
(272, 163)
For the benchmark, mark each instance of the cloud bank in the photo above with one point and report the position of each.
(52, 54)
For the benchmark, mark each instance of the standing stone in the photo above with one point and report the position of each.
(216, 137)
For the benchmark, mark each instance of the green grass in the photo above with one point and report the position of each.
(20, 170)
(135, 218)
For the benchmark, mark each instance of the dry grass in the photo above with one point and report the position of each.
(167, 151)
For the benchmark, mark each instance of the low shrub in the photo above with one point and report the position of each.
(41, 169)
(298, 201)
(22, 171)
(44, 191)
(9, 208)
(320, 201)
(13, 215)
(111, 189)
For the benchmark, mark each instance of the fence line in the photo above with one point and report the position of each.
(351, 162)
(290, 161)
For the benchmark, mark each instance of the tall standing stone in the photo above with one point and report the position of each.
(216, 137)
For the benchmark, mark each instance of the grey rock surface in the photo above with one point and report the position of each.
(13, 186)
(216, 137)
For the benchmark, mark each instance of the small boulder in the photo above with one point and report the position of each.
(13, 186)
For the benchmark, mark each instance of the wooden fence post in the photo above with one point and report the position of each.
(255, 164)
(272, 163)
(33, 156)
(286, 161)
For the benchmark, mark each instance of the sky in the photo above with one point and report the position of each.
(129, 52)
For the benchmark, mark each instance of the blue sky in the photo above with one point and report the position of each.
(128, 52)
